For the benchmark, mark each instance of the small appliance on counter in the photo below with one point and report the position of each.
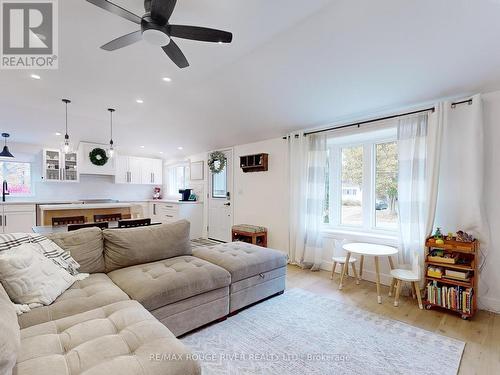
(157, 193)
(187, 196)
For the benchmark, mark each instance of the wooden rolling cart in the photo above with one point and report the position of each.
(461, 257)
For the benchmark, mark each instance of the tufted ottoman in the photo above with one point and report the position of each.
(121, 338)
(182, 292)
(256, 272)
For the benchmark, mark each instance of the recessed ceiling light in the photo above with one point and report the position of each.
(161, 152)
(58, 134)
(142, 146)
(180, 148)
(140, 101)
(221, 43)
(35, 76)
(167, 79)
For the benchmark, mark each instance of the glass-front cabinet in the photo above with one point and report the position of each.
(59, 166)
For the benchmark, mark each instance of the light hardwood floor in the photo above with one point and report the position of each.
(481, 334)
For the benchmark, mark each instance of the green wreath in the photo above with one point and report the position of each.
(216, 162)
(98, 156)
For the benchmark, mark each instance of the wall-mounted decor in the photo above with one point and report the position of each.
(196, 170)
(255, 163)
(98, 156)
(216, 162)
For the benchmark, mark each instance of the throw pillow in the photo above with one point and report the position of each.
(29, 277)
(49, 249)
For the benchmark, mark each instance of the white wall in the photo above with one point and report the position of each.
(89, 187)
(261, 198)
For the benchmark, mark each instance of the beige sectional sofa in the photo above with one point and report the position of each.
(145, 288)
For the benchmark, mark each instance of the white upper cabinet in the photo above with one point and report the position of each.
(136, 170)
(60, 167)
(152, 171)
(122, 171)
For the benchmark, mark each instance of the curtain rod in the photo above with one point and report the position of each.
(468, 101)
(359, 123)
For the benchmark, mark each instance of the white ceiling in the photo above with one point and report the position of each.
(292, 64)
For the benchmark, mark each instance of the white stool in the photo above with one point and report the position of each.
(341, 261)
(411, 276)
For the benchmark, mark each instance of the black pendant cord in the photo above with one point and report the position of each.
(66, 102)
(111, 110)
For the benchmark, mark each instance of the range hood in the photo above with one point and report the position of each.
(86, 166)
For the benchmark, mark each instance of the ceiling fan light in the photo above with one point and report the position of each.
(156, 37)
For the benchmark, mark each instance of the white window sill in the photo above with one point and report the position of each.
(363, 236)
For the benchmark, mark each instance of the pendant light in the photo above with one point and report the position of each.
(66, 145)
(6, 153)
(111, 150)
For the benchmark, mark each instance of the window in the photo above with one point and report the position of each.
(18, 177)
(177, 179)
(352, 186)
(219, 184)
(386, 185)
(363, 181)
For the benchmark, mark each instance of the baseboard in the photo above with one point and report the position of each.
(368, 275)
(489, 304)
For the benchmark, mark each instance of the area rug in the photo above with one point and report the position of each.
(302, 333)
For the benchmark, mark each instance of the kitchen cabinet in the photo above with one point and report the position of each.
(152, 171)
(166, 212)
(17, 218)
(136, 170)
(59, 166)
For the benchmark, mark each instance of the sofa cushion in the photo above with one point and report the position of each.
(9, 333)
(85, 246)
(132, 246)
(121, 338)
(30, 278)
(161, 283)
(95, 291)
(241, 259)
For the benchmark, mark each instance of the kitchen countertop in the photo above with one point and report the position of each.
(87, 206)
(173, 201)
(79, 202)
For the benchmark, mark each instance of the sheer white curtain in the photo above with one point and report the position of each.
(461, 195)
(419, 142)
(308, 165)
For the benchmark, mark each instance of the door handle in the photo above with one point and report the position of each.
(5, 220)
(227, 204)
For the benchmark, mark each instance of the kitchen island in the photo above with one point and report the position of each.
(87, 210)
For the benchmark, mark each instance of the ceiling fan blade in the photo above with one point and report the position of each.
(123, 41)
(115, 9)
(202, 34)
(174, 52)
(161, 10)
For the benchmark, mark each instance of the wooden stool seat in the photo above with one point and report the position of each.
(412, 276)
(405, 275)
(341, 260)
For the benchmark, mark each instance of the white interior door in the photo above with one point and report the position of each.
(220, 209)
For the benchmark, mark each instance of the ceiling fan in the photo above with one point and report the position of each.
(156, 29)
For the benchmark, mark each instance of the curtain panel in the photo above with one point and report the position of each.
(307, 177)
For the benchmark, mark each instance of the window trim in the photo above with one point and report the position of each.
(368, 194)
